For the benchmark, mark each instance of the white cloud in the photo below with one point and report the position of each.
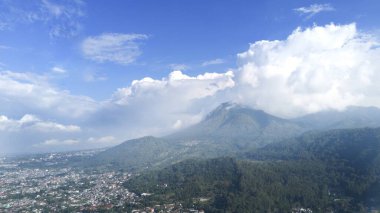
(26, 92)
(183, 87)
(313, 69)
(323, 67)
(33, 123)
(177, 124)
(139, 107)
(105, 140)
(180, 67)
(131, 112)
(113, 47)
(62, 19)
(56, 142)
(4, 26)
(314, 9)
(54, 9)
(59, 70)
(213, 62)
(93, 76)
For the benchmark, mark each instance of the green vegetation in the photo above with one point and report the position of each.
(228, 130)
(351, 117)
(243, 160)
(338, 170)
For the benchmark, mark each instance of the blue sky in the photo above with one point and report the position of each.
(73, 63)
(179, 32)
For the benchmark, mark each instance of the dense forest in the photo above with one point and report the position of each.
(337, 170)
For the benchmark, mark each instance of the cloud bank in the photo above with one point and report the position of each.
(55, 142)
(33, 123)
(32, 93)
(163, 105)
(318, 68)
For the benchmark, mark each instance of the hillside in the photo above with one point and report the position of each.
(134, 154)
(351, 117)
(239, 123)
(229, 130)
(226, 131)
(337, 170)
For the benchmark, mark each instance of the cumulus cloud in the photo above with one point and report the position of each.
(213, 62)
(113, 47)
(146, 107)
(151, 106)
(33, 123)
(318, 68)
(32, 110)
(314, 9)
(183, 87)
(26, 92)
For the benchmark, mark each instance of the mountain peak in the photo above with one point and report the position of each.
(229, 105)
(233, 120)
(224, 108)
(228, 109)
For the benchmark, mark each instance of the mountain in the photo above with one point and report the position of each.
(239, 123)
(229, 129)
(358, 149)
(135, 154)
(328, 171)
(351, 117)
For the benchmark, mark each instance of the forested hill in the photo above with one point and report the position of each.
(351, 117)
(356, 147)
(229, 130)
(337, 170)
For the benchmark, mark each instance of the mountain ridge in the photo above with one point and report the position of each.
(231, 120)
(228, 130)
(351, 117)
(225, 131)
(326, 171)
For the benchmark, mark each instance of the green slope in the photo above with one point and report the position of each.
(352, 117)
(337, 170)
(249, 127)
(228, 130)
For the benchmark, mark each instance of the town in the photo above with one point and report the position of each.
(47, 183)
